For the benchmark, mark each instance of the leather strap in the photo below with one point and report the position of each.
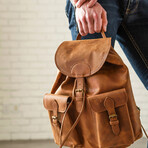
(144, 131)
(78, 117)
(79, 35)
(114, 122)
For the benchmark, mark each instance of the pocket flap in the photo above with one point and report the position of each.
(97, 102)
(62, 102)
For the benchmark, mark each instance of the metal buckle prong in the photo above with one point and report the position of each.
(113, 115)
(78, 90)
(54, 117)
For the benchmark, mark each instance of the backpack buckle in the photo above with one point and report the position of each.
(79, 90)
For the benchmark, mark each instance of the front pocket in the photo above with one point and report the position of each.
(57, 106)
(114, 128)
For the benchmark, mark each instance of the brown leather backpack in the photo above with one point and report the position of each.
(91, 104)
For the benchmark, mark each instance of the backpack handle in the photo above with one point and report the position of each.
(79, 35)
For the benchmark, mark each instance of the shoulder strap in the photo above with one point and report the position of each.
(144, 131)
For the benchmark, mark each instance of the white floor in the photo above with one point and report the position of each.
(141, 143)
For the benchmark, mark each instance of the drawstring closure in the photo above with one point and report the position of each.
(78, 117)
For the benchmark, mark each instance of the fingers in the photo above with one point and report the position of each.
(81, 31)
(90, 23)
(80, 3)
(104, 20)
(85, 26)
(91, 3)
(97, 22)
(82, 24)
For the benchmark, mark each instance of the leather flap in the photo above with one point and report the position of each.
(61, 100)
(118, 96)
(81, 58)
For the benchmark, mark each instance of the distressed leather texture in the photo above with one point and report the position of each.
(91, 104)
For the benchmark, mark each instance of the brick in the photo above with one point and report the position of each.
(30, 72)
(9, 2)
(4, 79)
(32, 114)
(31, 100)
(46, 1)
(9, 58)
(45, 15)
(40, 135)
(39, 121)
(18, 37)
(20, 136)
(28, 1)
(3, 22)
(8, 72)
(19, 79)
(5, 136)
(17, 8)
(11, 100)
(27, 15)
(26, 58)
(20, 65)
(5, 129)
(19, 93)
(3, 8)
(9, 44)
(39, 8)
(30, 128)
(4, 65)
(5, 122)
(19, 122)
(29, 44)
(9, 15)
(4, 94)
(3, 37)
(30, 107)
(38, 79)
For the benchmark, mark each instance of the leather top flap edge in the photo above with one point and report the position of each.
(82, 58)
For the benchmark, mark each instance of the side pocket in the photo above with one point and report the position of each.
(56, 106)
(114, 128)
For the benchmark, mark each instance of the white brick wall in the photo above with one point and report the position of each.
(30, 32)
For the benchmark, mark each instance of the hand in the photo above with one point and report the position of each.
(79, 3)
(91, 20)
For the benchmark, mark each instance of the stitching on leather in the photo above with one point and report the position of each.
(136, 6)
(78, 63)
(136, 46)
